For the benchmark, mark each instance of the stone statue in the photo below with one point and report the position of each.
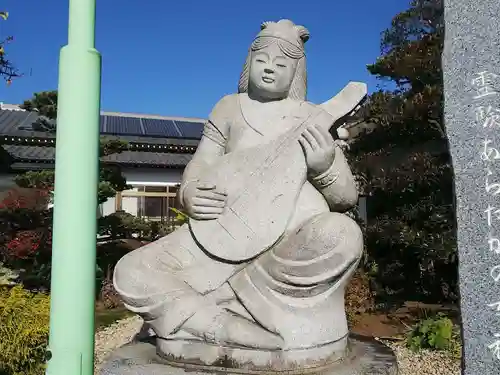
(258, 275)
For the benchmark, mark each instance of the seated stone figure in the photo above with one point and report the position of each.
(290, 296)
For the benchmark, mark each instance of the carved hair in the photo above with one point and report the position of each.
(290, 38)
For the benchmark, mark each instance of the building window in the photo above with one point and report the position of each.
(153, 203)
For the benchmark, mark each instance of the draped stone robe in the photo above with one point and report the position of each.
(295, 289)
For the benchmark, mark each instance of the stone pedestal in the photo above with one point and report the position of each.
(365, 356)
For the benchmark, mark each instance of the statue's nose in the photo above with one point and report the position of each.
(268, 70)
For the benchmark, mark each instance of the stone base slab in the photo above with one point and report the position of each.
(365, 357)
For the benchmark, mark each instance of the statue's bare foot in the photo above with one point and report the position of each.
(217, 325)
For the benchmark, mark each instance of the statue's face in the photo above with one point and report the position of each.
(271, 72)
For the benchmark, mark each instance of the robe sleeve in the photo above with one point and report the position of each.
(217, 126)
(212, 144)
(212, 132)
(337, 184)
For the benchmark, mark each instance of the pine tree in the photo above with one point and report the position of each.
(404, 158)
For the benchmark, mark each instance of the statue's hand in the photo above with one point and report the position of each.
(319, 149)
(204, 201)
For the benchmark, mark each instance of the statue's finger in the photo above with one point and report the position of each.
(318, 136)
(310, 139)
(205, 216)
(220, 191)
(210, 194)
(206, 186)
(207, 210)
(200, 201)
(327, 136)
(306, 147)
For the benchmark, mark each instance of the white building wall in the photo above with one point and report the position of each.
(129, 204)
(152, 176)
(108, 207)
(141, 177)
(134, 176)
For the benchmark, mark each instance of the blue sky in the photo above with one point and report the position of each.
(178, 58)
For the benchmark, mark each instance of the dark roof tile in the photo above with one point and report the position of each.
(149, 158)
(47, 154)
(10, 121)
(17, 124)
(31, 152)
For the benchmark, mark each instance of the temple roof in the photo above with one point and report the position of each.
(154, 141)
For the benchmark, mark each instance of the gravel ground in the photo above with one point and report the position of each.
(422, 363)
(114, 336)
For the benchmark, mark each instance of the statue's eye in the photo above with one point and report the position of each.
(260, 60)
(281, 65)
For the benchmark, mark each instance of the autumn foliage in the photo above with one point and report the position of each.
(25, 223)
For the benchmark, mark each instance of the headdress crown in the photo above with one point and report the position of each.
(285, 30)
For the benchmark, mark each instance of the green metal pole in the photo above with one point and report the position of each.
(71, 342)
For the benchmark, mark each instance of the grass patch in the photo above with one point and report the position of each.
(106, 317)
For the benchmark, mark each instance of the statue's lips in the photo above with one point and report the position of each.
(268, 79)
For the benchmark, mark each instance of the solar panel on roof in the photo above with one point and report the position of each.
(157, 127)
(190, 129)
(101, 124)
(123, 125)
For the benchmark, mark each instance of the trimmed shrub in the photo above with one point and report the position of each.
(24, 331)
(435, 333)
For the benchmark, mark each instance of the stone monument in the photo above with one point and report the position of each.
(471, 68)
(254, 283)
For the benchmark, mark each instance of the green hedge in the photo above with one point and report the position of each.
(24, 331)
